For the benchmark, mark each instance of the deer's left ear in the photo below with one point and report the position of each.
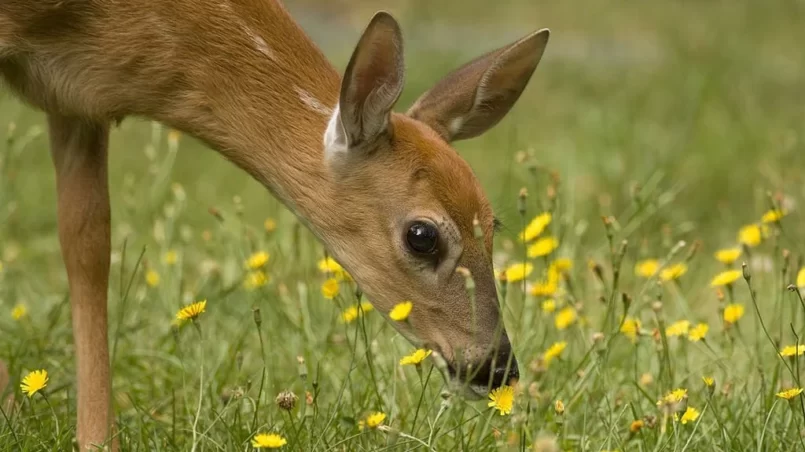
(475, 97)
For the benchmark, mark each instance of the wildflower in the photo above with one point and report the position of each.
(270, 225)
(192, 311)
(726, 278)
(698, 332)
(416, 357)
(679, 328)
(34, 382)
(19, 311)
(330, 288)
(631, 328)
(502, 399)
(286, 400)
(733, 312)
(708, 381)
(793, 350)
(268, 441)
(152, 278)
(554, 351)
(690, 415)
(565, 317)
(536, 227)
(750, 235)
(774, 215)
(789, 394)
(673, 272)
(255, 279)
(400, 311)
(549, 306)
(561, 265)
(257, 260)
(544, 288)
(543, 247)
(170, 257)
(374, 420)
(675, 396)
(365, 306)
(728, 255)
(801, 277)
(559, 407)
(351, 313)
(646, 379)
(331, 266)
(518, 272)
(636, 425)
(647, 268)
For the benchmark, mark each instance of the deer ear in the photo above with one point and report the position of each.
(371, 85)
(475, 97)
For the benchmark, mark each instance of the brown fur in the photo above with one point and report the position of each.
(243, 77)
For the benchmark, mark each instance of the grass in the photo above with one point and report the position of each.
(677, 124)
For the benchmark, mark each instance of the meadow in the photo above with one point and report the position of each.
(655, 164)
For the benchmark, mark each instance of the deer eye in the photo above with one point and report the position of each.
(422, 238)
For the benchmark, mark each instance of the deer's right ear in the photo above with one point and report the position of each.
(371, 85)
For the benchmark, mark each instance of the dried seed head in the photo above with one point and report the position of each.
(286, 400)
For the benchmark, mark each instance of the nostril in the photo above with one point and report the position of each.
(506, 375)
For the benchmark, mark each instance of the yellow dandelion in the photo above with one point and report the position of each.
(19, 311)
(733, 312)
(698, 332)
(349, 314)
(518, 272)
(728, 255)
(750, 235)
(774, 215)
(793, 350)
(673, 272)
(679, 328)
(375, 420)
(502, 399)
(789, 394)
(255, 279)
(565, 317)
(690, 415)
(631, 328)
(559, 407)
(554, 351)
(709, 381)
(152, 278)
(257, 260)
(365, 306)
(543, 247)
(801, 277)
(34, 382)
(170, 257)
(268, 441)
(330, 288)
(647, 268)
(544, 288)
(401, 311)
(636, 425)
(329, 265)
(726, 278)
(675, 396)
(192, 311)
(548, 306)
(270, 225)
(416, 357)
(561, 265)
(536, 227)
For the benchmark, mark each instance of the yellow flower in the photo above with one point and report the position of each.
(256, 279)
(728, 255)
(502, 399)
(192, 311)
(518, 272)
(675, 396)
(561, 265)
(536, 227)
(801, 277)
(647, 268)
(170, 257)
(554, 351)
(152, 278)
(673, 272)
(690, 415)
(565, 317)
(375, 420)
(19, 311)
(789, 394)
(559, 407)
(733, 313)
(636, 425)
(257, 260)
(543, 247)
(679, 328)
(631, 328)
(726, 278)
(416, 357)
(750, 235)
(270, 225)
(401, 311)
(544, 288)
(708, 381)
(330, 288)
(34, 382)
(331, 266)
(698, 332)
(549, 306)
(793, 350)
(774, 215)
(268, 441)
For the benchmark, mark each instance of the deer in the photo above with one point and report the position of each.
(385, 192)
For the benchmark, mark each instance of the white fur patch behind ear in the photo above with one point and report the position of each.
(335, 137)
(455, 125)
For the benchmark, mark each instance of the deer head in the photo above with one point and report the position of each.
(412, 199)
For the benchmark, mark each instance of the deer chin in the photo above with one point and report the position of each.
(455, 385)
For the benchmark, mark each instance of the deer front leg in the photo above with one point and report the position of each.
(79, 151)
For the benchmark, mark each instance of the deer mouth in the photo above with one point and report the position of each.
(472, 390)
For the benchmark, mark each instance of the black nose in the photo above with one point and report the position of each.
(497, 372)
(505, 375)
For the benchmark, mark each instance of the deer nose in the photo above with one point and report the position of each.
(505, 374)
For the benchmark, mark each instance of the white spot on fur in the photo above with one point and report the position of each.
(311, 102)
(259, 43)
(455, 125)
(335, 137)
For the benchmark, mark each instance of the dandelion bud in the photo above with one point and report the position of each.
(559, 407)
(598, 337)
(747, 276)
(258, 319)
(302, 367)
(308, 398)
(521, 201)
(656, 306)
(286, 400)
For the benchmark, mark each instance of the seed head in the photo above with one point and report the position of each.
(286, 400)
